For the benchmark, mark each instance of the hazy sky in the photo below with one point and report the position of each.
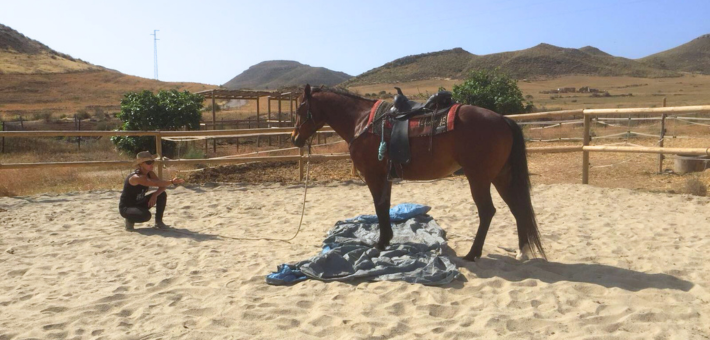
(213, 41)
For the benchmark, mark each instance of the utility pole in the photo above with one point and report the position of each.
(155, 53)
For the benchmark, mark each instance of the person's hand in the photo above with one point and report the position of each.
(177, 181)
(152, 200)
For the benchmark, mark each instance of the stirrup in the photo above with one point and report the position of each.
(392, 174)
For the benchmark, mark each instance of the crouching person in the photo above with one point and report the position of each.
(135, 202)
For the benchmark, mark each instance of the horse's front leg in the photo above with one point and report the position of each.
(381, 189)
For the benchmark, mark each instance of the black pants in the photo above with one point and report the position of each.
(140, 212)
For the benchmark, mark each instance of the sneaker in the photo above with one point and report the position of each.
(129, 225)
(161, 225)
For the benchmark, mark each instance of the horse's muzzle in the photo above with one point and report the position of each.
(296, 141)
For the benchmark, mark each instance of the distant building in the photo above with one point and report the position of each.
(587, 89)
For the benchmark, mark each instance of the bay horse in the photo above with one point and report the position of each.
(489, 147)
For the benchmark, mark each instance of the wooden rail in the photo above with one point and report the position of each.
(195, 133)
(585, 148)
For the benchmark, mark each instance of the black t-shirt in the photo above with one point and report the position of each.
(131, 194)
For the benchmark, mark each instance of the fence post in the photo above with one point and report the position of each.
(662, 137)
(3, 137)
(290, 103)
(585, 154)
(279, 136)
(258, 125)
(214, 124)
(628, 129)
(268, 115)
(78, 138)
(159, 151)
(300, 165)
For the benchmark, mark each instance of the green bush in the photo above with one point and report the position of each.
(194, 153)
(105, 126)
(44, 115)
(100, 115)
(82, 114)
(167, 111)
(492, 90)
(217, 108)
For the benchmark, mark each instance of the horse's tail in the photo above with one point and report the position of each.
(520, 188)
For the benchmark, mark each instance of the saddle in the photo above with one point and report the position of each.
(403, 111)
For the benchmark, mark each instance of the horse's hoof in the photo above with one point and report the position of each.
(381, 246)
(523, 255)
(471, 258)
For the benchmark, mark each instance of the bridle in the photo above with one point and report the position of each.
(309, 115)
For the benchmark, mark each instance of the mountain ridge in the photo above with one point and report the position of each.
(22, 55)
(542, 60)
(693, 56)
(274, 74)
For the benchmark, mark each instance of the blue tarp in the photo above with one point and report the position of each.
(414, 254)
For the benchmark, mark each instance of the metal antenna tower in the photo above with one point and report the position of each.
(155, 53)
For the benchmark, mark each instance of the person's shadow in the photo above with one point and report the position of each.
(177, 233)
(510, 269)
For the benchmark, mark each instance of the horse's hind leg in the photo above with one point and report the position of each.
(503, 184)
(521, 209)
(481, 191)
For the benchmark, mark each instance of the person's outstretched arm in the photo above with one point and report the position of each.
(154, 181)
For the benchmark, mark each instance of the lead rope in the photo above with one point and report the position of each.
(383, 146)
(303, 210)
(305, 190)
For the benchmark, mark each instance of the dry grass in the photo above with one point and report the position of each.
(22, 182)
(680, 91)
(694, 186)
(14, 62)
(31, 181)
(66, 93)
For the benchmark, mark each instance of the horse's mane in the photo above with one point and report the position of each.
(340, 91)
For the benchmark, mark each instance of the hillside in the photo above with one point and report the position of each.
(22, 55)
(443, 64)
(541, 61)
(546, 60)
(276, 74)
(693, 56)
(66, 93)
(36, 79)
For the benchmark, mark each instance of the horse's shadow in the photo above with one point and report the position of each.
(177, 233)
(510, 269)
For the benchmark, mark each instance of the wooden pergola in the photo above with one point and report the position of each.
(250, 95)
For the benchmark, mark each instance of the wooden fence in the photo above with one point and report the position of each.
(585, 148)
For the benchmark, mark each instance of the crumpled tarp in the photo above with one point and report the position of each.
(414, 254)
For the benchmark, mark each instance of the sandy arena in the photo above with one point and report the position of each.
(623, 264)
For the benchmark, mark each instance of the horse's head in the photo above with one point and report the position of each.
(308, 119)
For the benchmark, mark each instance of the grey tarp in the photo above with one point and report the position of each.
(413, 256)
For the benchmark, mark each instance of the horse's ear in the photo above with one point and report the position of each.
(307, 92)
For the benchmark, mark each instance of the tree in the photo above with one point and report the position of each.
(167, 111)
(492, 90)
